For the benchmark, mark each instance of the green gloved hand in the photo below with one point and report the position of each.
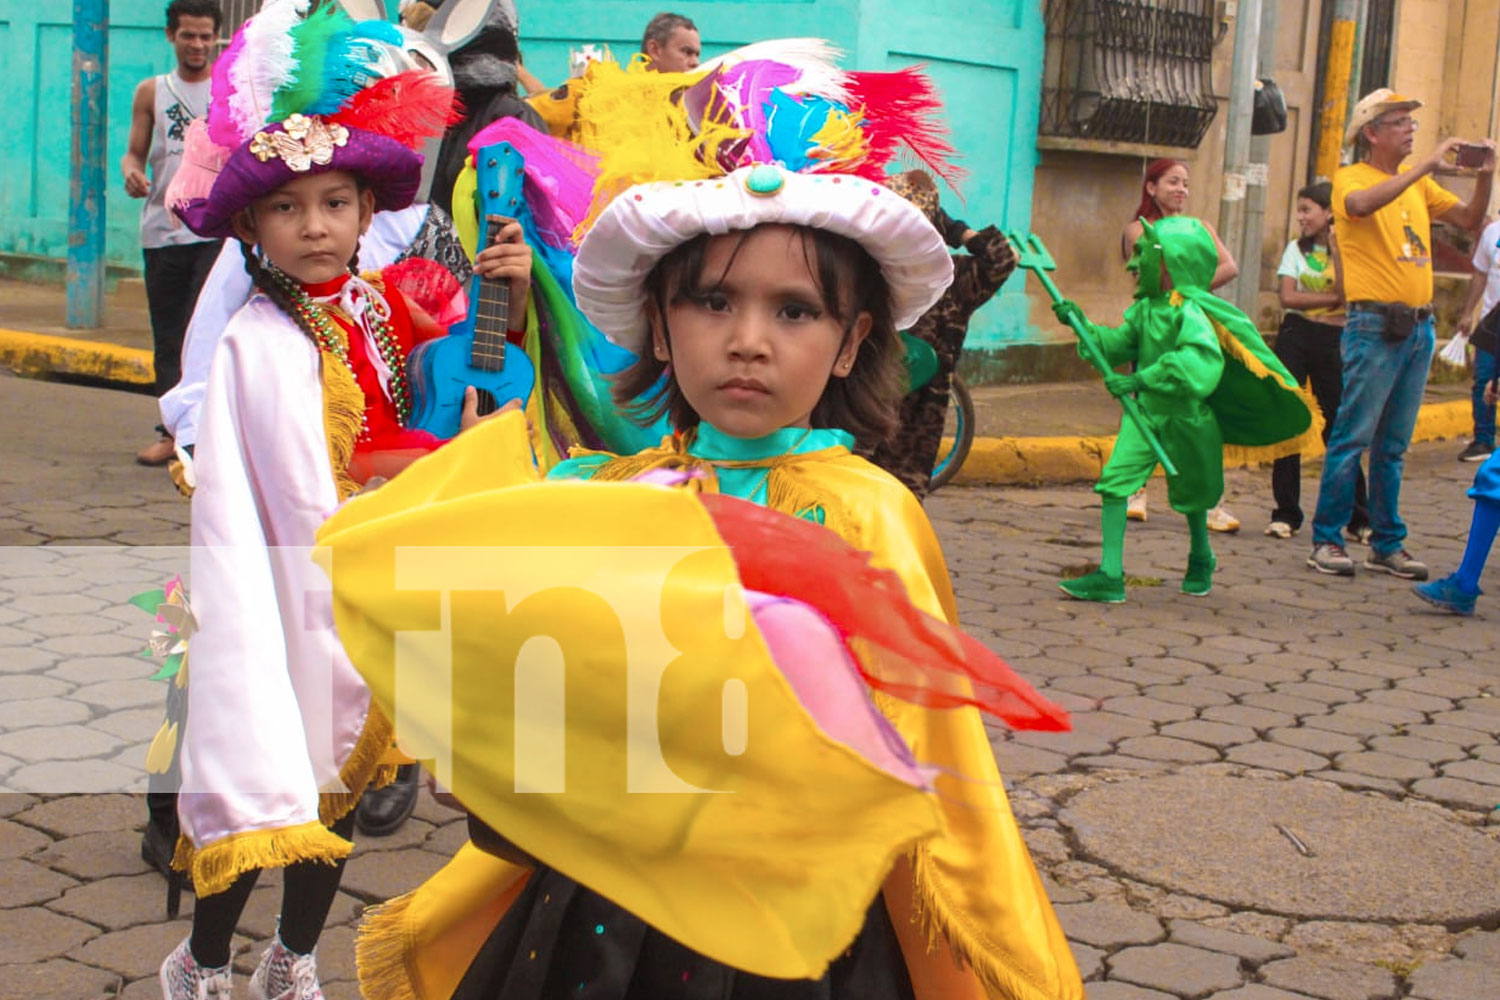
(1121, 385)
(1066, 311)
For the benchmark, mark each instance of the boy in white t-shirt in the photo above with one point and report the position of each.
(1484, 291)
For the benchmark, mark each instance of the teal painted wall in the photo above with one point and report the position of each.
(36, 44)
(985, 55)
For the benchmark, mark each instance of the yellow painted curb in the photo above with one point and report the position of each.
(36, 354)
(1010, 461)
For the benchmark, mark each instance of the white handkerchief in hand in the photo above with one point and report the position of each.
(1455, 352)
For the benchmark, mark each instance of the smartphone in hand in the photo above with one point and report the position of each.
(1471, 154)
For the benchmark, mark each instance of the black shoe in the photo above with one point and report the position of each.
(1475, 452)
(158, 844)
(380, 813)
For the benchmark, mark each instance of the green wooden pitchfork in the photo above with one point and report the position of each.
(1033, 255)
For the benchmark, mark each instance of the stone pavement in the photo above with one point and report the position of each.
(1283, 790)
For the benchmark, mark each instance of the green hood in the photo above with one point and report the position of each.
(1186, 246)
(1258, 403)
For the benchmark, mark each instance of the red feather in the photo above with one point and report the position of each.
(903, 108)
(409, 107)
(915, 657)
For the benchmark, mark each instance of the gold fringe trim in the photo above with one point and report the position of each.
(363, 768)
(382, 952)
(216, 865)
(1242, 454)
(785, 490)
(670, 454)
(343, 418)
(969, 948)
(791, 494)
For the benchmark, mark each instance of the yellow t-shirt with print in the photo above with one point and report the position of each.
(1386, 256)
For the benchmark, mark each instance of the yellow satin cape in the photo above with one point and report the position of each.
(975, 894)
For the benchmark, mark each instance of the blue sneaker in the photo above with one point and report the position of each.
(1448, 595)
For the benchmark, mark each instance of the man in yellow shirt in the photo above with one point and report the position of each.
(1383, 230)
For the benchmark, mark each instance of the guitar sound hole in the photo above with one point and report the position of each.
(487, 404)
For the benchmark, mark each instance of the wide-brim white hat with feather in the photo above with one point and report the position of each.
(648, 221)
(771, 134)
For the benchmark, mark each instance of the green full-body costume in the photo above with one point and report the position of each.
(1204, 378)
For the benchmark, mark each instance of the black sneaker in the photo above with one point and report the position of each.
(1476, 452)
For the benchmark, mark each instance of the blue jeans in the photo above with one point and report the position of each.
(1383, 386)
(1484, 413)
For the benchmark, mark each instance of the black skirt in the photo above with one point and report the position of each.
(560, 940)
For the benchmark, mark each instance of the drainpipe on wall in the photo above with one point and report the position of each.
(1247, 290)
(86, 164)
(1337, 97)
(1237, 137)
(1357, 57)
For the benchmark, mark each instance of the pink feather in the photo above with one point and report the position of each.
(221, 127)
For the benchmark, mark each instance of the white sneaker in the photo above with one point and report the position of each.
(1135, 507)
(1219, 519)
(285, 975)
(182, 978)
(1280, 529)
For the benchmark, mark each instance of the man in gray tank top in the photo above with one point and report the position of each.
(176, 259)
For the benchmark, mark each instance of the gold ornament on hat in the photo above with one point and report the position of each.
(305, 140)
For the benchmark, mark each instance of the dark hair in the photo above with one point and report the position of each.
(178, 9)
(1155, 170)
(659, 29)
(865, 403)
(1320, 194)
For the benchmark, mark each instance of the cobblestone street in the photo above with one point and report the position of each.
(1284, 790)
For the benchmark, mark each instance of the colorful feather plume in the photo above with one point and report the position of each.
(327, 65)
(263, 66)
(779, 101)
(282, 62)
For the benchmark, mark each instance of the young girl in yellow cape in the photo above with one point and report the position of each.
(764, 304)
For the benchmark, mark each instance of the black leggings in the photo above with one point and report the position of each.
(1310, 351)
(306, 897)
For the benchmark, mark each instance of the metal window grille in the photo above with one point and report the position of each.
(1129, 70)
(236, 13)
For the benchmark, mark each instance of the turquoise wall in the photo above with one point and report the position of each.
(985, 55)
(36, 43)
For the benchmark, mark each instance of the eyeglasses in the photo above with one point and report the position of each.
(1405, 121)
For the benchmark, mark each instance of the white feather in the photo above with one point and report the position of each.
(265, 64)
(815, 58)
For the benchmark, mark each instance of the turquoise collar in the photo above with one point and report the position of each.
(714, 445)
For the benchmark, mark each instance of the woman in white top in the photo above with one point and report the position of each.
(1308, 344)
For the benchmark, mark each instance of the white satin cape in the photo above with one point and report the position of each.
(275, 709)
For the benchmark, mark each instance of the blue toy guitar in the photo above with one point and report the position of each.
(475, 352)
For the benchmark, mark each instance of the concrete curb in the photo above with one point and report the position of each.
(1002, 461)
(1052, 460)
(40, 354)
